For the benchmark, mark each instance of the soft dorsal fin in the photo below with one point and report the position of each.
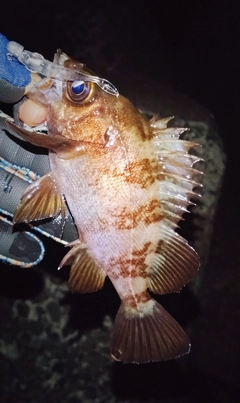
(85, 275)
(41, 199)
(175, 262)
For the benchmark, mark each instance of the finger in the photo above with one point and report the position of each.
(32, 114)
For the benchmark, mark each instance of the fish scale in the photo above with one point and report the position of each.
(127, 182)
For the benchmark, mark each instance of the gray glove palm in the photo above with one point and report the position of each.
(21, 164)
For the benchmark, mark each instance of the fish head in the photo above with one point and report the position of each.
(78, 110)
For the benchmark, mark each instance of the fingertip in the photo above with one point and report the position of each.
(32, 114)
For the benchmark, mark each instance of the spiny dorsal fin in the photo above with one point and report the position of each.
(85, 275)
(175, 262)
(42, 199)
(177, 177)
(176, 172)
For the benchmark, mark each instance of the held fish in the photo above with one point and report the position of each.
(127, 182)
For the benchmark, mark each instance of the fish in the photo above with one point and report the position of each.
(127, 182)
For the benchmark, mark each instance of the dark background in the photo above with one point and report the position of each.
(191, 46)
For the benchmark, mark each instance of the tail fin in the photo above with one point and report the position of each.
(147, 335)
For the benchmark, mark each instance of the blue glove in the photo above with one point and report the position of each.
(14, 77)
(21, 164)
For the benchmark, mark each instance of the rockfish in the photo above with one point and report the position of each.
(127, 182)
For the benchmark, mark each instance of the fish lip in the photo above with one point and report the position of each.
(46, 91)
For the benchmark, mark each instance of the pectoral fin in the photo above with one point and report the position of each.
(42, 199)
(85, 275)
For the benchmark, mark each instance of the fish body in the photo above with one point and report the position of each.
(127, 182)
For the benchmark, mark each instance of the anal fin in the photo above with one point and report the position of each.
(41, 199)
(85, 275)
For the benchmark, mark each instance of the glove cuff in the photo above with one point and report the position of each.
(9, 93)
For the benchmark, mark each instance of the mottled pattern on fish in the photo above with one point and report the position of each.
(127, 183)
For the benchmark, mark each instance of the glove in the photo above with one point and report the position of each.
(21, 164)
(14, 77)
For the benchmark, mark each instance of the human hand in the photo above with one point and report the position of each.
(21, 164)
(14, 77)
(15, 82)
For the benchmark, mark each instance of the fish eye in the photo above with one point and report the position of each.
(78, 91)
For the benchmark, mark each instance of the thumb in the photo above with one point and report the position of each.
(31, 113)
